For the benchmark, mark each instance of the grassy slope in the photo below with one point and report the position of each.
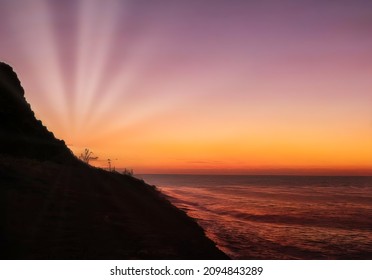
(61, 211)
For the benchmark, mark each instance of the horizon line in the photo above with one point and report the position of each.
(254, 175)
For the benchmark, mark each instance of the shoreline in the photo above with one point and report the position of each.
(249, 218)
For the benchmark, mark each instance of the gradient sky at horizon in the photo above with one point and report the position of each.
(214, 86)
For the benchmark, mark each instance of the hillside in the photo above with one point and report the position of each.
(56, 207)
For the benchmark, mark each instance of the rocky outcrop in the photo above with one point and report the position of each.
(21, 134)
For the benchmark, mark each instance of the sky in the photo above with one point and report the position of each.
(209, 87)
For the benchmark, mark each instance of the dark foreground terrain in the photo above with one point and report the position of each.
(52, 206)
(56, 211)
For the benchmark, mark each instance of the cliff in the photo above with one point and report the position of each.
(21, 134)
(53, 206)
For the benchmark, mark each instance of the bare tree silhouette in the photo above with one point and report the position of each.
(87, 156)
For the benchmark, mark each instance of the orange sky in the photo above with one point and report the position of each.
(235, 87)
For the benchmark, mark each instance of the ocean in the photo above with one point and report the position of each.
(277, 217)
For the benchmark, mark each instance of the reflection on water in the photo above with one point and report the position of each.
(278, 217)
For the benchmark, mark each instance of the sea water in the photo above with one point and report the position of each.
(277, 217)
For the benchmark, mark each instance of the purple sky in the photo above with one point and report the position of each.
(236, 85)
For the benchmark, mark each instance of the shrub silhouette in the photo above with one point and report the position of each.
(128, 172)
(87, 156)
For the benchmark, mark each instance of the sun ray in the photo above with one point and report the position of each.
(123, 82)
(200, 72)
(98, 22)
(34, 39)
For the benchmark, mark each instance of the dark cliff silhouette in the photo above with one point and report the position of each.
(53, 206)
(22, 134)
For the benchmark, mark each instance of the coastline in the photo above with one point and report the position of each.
(250, 217)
